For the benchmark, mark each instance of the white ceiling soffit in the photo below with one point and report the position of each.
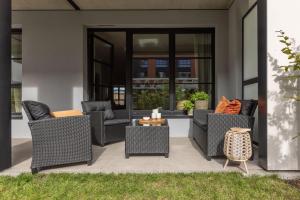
(41, 5)
(152, 4)
(120, 4)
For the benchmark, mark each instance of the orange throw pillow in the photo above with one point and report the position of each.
(234, 107)
(66, 113)
(223, 103)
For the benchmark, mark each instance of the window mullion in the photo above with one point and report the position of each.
(172, 71)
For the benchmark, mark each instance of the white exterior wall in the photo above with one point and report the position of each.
(283, 114)
(54, 52)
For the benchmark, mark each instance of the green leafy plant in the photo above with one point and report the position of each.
(180, 93)
(152, 98)
(288, 72)
(188, 105)
(199, 95)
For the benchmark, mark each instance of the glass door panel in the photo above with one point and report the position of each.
(102, 69)
(150, 71)
(194, 65)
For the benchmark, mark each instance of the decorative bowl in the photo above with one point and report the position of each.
(146, 118)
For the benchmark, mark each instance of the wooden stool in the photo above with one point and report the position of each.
(237, 146)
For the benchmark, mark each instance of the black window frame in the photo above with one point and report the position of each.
(254, 80)
(92, 60)
(172, 62)
(17, 115)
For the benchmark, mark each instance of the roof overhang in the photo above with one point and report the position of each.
(121, 4)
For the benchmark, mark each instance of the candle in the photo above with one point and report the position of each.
(158, 115)
(154, 115)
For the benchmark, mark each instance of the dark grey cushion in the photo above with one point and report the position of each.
(116, 121)
(248, 107)
(108, 114)
(37, 110)
(90, 106)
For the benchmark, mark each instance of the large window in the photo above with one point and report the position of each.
(102, 64)
(162, 67)
(194, 59)
(169, 67)
(150, 63)
(16, 84)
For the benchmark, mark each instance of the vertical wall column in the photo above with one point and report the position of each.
(262, 82)
(5, 84)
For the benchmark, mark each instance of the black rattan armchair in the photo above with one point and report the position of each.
(58, 141)
(209, 129)
(106, 129)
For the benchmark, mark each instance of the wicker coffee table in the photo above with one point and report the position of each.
(147, 139)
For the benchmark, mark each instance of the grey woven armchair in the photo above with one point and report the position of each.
(105, 130)
(209, 129)
(58, 141)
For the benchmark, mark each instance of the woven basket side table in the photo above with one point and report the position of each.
(238, 146)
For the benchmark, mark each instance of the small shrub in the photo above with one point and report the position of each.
(200, 95)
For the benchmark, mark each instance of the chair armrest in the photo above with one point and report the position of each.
(58, 129)
(121, 114)
(97, 118)
(97, 125)
(201, 115)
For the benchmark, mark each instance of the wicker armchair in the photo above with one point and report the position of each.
(104, 130)
(209, 129)
(58, 141)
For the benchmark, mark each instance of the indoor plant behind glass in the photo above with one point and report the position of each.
(200, 99)
(180, 98)
(188, 107)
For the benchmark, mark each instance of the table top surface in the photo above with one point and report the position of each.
(136, 123)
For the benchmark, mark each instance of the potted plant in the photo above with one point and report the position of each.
(200, 99)
(180, 98)
(188, 106)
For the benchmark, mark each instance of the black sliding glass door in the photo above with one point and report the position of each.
(150, 71)
(102, 64)
(194, 65)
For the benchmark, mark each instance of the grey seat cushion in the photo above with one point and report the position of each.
(116, 121)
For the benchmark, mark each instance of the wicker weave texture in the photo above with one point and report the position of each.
(59, 141)
(147, 140)
(210, 137)
(218, 125)
(237, 145)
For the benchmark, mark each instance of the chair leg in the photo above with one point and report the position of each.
(90, 162)
(35, 170)
(102, 144)
(245, 165)
(226, 163)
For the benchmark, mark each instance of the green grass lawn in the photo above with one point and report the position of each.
(145, 186)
